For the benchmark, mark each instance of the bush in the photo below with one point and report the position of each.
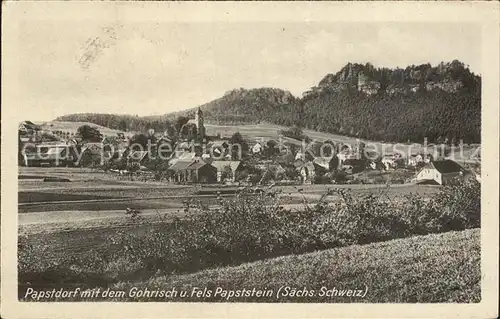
(255, 226)
(296, 133)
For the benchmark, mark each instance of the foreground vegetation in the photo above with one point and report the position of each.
(242, 230)
(432, 268)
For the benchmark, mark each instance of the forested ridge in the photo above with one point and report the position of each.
(397, 105)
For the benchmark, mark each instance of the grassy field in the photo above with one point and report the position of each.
(72, 127)
(88, 191)
(432, 268)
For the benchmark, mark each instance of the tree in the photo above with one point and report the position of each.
(180, 122)
(238, 143)
(271, 149)
(291, 173)
(139, 139)
(227, 173)
(295, 132)
(122, 125)
(361, 150)
(89, 133)
(189, 131)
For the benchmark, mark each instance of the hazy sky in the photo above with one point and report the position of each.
(156, 68)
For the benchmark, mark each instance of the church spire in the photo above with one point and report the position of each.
(200, 126)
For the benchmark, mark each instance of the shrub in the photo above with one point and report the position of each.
(255, 226)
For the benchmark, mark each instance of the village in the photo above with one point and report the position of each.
(194, 157)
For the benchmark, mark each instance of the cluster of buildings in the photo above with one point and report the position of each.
(190, 162)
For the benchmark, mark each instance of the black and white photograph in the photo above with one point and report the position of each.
(226, 158)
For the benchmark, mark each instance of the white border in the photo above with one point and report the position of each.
(484, 13)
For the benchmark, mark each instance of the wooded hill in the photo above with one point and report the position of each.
(442, 103)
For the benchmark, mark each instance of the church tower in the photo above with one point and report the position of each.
(200, 124)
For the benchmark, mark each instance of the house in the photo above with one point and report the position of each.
(347, 154)
(28, 127)
(300, 156)
(440, 172)
(218, 149)
(28, 131)
(257, 148)
(298, 163)
(182, 157)
(353, 166)
(415, 159)
(200, 172)
(427, 158)
(307, 172)
(389, 161)
(230, 167)
(327, 163)
(178, 171)
(372, 165)
(49, 154)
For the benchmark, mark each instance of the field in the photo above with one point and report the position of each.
(72, 127)
(421, 269)
(81, 214)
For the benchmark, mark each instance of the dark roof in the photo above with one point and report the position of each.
(353, 162)
(197, 165)
(30, 125)
(446, 166)
(29, 122)
(138, 155)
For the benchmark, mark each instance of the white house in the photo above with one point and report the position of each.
(257, 148)
(389, 161)
(440, 172)
(307, 173)
(221, 166)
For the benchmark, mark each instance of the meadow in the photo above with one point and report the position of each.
(430, 269)
(238, 231)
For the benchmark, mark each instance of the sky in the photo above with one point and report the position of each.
(156, 68)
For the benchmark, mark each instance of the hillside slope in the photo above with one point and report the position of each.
(243, 106)
(71, 126)
(434, 268)
(441, 103)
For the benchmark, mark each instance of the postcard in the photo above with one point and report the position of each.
(250, 159)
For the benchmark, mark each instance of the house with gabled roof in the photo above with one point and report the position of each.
(326, 163)
(178, 171)
(194, 171)
(221, 166)
(440, 172)
(201, 172)
(140, 157)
